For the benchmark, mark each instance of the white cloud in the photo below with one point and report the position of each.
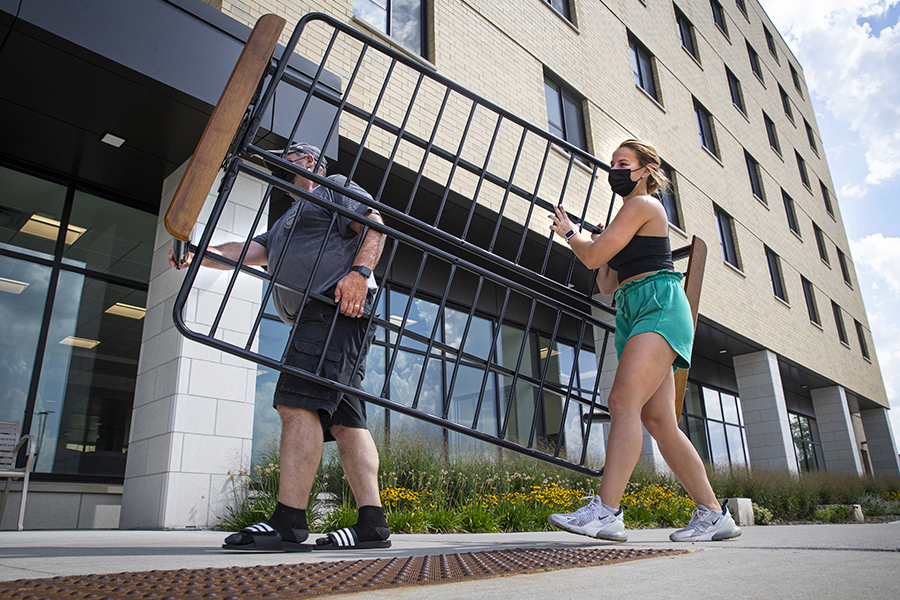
(853, 191)
(860, 83)
(879, 258)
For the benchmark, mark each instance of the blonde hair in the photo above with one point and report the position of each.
(647, 157)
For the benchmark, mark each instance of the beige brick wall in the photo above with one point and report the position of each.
(501, 51)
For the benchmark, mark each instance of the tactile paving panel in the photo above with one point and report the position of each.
(313, 579)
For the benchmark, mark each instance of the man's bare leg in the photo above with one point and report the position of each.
(300, 455)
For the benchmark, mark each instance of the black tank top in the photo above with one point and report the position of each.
(643, 254)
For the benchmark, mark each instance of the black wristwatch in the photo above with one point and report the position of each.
(362, 270)
(569, 234)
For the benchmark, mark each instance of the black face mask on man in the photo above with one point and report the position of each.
(620, 181)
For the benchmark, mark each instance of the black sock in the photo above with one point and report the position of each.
(289, 522)
(371, 524)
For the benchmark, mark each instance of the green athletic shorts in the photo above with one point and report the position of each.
(656, 303)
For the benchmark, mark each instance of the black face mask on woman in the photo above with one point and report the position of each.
(620, 181)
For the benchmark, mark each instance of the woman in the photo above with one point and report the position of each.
(654, 332)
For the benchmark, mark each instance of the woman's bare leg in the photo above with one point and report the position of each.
(646, 361)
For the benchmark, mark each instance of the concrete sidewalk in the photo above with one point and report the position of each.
(800, 561)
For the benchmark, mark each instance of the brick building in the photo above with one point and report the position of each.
(103, 103)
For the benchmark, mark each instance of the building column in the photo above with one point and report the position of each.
(765, 412)
(836, 430)
(880, 442)
(192, 422)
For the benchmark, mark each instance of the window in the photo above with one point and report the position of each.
(839, 323)
(73, 289)
(861, 336)
(564, 114)
(845, 271)
(642, 67)
(790, 212)
(773, 135)
(719, 16)
(786, 104)
(774, 263)
(801, 166)
(737, 98)
(827, 198)
(810, 295)
(807, 446)
(403, 20)
(770, 42)
(668, 198)
(811, 137)
(741, 6)
(726, 237)
(713, 421)
(562, 7)
(755, 180)
(704, 126)
(755, 65)
(796, 79)
(686, 34)
(820, 242)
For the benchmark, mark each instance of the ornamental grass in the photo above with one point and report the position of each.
(425, 489)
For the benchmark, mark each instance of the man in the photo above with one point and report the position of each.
(312, 414)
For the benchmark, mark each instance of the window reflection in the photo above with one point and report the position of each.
(86, 393)
(713, 422)
(23, 293)
(30, 213)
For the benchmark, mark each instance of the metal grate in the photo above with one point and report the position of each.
(463, 187)
(314, 579)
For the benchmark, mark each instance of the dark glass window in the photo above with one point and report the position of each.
(811, 136)
(820, 242)
(810, 296)
(755, 180)
(773, 135)
(774, 263)
(770, 42)
(737, 98)
(713, 421)
(642, 67)
(562, 7)
(786, 104)
(801, 166)
(861, 336)
(403, 20)
(807, 446)
(686, 34)
(719, 16)
(790, 212)
(826, 196)
(741, 6)
(726, 237)
(839, 322)
(845, 271)
(73, 289)
(755, 64)
(705, 127)
(669, 199)
(564, 114)
(796, 79)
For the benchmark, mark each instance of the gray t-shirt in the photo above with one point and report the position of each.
(341, 246)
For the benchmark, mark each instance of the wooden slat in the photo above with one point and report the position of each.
(201, 172)
(693, 281)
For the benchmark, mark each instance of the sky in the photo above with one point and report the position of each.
(850, 54)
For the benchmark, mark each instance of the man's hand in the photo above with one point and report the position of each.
(188, 257)
(350, 293)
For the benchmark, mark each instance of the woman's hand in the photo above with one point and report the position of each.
(561, 223)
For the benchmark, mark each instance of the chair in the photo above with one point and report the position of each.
(10, 444)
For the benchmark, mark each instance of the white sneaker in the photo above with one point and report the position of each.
(594, 520)
(708, 525)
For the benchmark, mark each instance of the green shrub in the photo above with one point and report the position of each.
(835, 513)
(761, 515)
